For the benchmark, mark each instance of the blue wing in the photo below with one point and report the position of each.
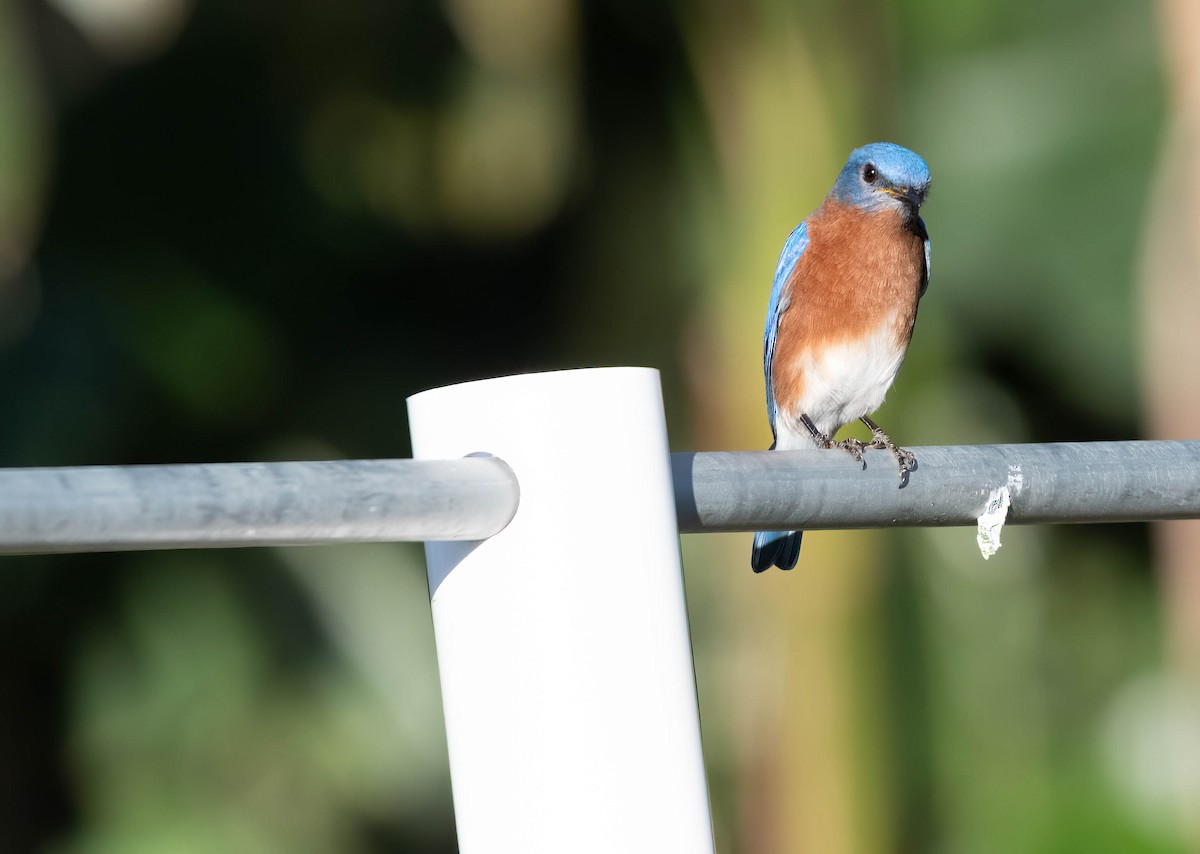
(923, 232)
(778, 548)
(796, 243)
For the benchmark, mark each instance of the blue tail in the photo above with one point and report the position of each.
(775, 548)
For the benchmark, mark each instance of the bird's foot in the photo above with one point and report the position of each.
(851, 446)
(905, 459)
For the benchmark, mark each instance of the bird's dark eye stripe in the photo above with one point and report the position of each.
(869, 173)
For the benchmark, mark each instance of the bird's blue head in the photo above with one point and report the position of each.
(883, 175)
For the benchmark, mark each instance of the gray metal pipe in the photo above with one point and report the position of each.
(1066, 482)
(103, 508)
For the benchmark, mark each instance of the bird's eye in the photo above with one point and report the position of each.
(869, 173)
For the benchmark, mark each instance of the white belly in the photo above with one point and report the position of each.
(842, 383)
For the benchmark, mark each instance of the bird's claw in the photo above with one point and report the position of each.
(906, 460)
(853, 447)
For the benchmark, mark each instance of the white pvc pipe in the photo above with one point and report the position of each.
(562, 641)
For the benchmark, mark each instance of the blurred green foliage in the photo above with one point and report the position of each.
(246, 231)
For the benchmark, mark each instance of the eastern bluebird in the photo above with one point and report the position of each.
(842, 310)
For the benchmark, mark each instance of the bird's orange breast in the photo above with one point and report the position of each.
(859, 271)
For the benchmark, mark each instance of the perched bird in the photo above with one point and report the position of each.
(842, 310)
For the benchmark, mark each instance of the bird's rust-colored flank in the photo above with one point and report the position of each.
(858, 267)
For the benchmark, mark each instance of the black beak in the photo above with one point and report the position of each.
(912, 196)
